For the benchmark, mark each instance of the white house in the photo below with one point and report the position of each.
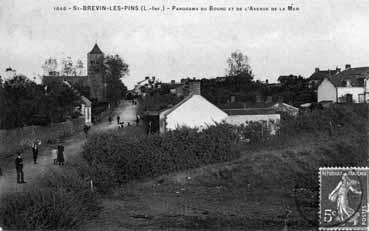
(194, 111)
(348, 86)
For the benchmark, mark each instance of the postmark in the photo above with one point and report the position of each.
(343, 202)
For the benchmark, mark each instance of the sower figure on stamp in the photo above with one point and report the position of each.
(60, 154)
(19, 168)
(340, 194)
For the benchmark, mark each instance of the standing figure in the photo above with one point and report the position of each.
(340, 195)
(137, 120)
(35, 150)
(149, 128)
(86, 128)
(60, 154)
(19, 168)
(109, 119)
(118, 119)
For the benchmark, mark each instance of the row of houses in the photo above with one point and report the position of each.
(194, 111)
(348, 86)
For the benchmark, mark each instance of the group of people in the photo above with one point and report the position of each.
(121, 124)
(58, 155)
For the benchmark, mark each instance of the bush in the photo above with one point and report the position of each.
(122, 157)
(59, 200)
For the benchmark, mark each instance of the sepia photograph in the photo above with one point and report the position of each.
(195, 115)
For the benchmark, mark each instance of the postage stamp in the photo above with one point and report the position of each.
(343, 198)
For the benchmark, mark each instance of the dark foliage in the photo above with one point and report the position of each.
(59, 200)
(26, 103)
(122, 157)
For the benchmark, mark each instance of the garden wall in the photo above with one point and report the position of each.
(20, 138)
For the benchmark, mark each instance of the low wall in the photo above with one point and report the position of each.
(20, 138)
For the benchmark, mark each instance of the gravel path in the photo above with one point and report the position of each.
(73, 146)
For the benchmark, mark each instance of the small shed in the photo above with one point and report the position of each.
(266, 116)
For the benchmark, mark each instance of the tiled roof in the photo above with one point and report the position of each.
(250, 111)
(354, 75)
(320, 75)
(95, 50)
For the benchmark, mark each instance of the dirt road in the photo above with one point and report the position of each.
(73, 146)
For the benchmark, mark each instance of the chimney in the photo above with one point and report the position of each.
(317, 69)
(348, 66)
(147, 77)
(267, 81)
(338, 69)
(153, 78)
(195, 87)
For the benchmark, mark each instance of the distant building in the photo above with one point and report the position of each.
(348, 86)
(194, 111)
(10, 73)
(269, 118)
(144, 86)
(319, 75)
(95, 78)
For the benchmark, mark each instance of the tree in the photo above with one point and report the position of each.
(238, 65)
(50, 66)
(115, 70)
(67, 67)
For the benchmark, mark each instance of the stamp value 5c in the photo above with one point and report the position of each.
(343, 198)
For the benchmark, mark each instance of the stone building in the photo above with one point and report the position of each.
(95, 78)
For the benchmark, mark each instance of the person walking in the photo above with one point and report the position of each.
(118, 120)
(60, 154)
(35, 146)
(19, 168)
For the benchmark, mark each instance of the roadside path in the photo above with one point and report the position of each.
(72, 146)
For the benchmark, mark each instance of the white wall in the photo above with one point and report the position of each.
(326, 91)
(355, 91)
(195, 112)
(87, 115)
(272, 120)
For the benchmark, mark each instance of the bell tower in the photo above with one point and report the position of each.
(95, 72)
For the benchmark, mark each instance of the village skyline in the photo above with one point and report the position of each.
(174, 46)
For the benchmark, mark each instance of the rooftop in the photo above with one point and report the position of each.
(96, 50)
(250, 111)
(356, 77)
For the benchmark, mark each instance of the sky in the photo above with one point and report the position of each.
(175, 44)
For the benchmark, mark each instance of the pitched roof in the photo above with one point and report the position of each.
(356, 77)
(165, 112)
(250, 111)
(95, 50)
(320, 75)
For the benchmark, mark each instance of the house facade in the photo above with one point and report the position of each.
(194, 111)
(348, 86)
(269, 118)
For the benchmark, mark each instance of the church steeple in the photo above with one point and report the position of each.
(95, 50)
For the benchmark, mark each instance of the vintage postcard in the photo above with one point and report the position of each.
(184, 115)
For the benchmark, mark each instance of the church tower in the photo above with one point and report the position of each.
(95, 72)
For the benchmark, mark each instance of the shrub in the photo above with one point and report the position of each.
(122, 157)
(59, 200)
